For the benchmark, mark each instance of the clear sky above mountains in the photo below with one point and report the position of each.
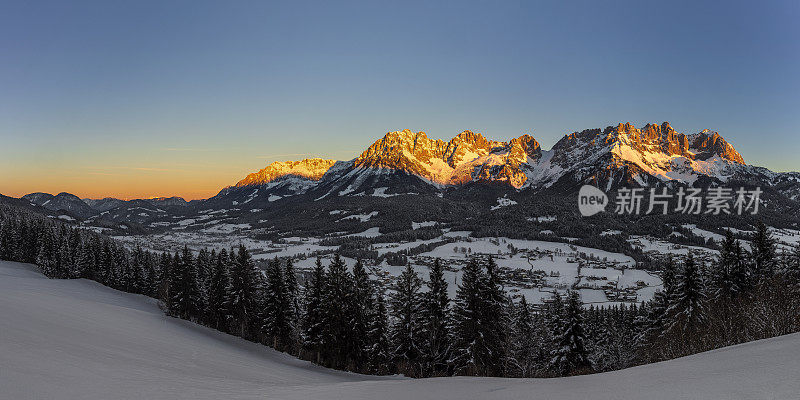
(140, 99)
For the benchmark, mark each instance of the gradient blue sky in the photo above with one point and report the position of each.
(138, 99)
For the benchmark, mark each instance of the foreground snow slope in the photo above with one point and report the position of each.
(79, 340)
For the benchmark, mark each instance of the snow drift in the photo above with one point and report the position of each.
(79, 340)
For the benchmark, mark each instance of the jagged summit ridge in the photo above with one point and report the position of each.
(309, 168)
(467, 157)
(625, 153)
(407, 162)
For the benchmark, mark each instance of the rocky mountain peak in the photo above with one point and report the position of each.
(662, 138)
(527, 145)
(400, 148)
(619, 152)
(309, 169)
(707, 144)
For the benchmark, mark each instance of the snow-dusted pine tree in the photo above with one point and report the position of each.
(685, 310)
(570, 356)
(337, 330)
(245, 284)
(407, 330)
(435, 314)
(217, 313)
(379, 352)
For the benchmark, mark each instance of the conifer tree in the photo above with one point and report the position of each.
(406, 334)
(685, 311)
(435, 313)
(277, 307)
(165, 276)
(655, 319)
(314, 317)
(186, 300)
(792, 269)
(470, 352)
(360, 304)
(245, 284)
(337, 333)
(45, 257)
(524, 344)
(741, 281)
(495, 316)
(725, 285)
(603, 357)
(570, 355)
(217, 312)
(762, 254)
(293, 314)
(379, 351)
(84, 264)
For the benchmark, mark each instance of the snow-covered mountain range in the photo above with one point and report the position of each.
(405, 160)
(462, 176)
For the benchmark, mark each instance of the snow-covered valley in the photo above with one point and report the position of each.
(75, 339)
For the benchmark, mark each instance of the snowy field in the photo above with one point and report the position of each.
(558, 261)
(75, 339)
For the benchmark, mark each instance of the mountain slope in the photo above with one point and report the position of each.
(75, 339)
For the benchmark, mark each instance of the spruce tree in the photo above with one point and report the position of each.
(84, 263)
(218, 313)
(604, 357)
(337, 332)
(46, 256)
(685, 311)
(314, 316)
(495, 316)
(293, 313)
(725, 285)
(436, 309)
(762, 254)
(186, 299)
(524, 343)
(792, 269)
(277, 307)
(406, 333)
(360, 304)
(245, 284)
(379, 353)
(570, 355)
(165, 276)
(470, 352)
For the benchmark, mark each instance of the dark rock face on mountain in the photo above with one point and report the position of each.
(709, 144)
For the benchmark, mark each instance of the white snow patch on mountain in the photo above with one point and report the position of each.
(369, 233)
(503, 202)
(361, 217)
(423, 224)
(251, 196)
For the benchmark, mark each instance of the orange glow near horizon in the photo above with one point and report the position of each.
(124, 184)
